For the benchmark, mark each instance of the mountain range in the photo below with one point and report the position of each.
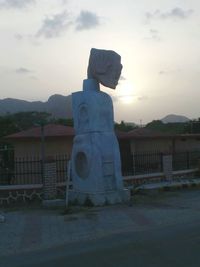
(172, 118)
(58, 105)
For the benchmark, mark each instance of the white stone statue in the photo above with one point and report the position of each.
(96, 164)
(105, 67)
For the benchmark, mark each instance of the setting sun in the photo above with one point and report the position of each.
(125, 92)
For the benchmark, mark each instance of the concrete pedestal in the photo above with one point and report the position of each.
(100, 198)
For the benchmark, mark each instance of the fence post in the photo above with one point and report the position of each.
(198, 166)
(167, 167)
(188, 159)
(133, 164)
(50, 179)
(68, 178)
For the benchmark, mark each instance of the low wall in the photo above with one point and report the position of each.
(158, 177)
(141, 179)
(16, 193)
(185, 174)
(24, 193)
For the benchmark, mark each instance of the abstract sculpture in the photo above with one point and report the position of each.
(105, 67)
(96, 165)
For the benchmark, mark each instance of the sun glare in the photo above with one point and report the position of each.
(125, 92)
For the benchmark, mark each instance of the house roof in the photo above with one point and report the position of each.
(56, 130)
(141, 133)
(144, 133)
(50, 130)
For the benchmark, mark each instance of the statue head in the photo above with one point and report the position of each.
(105, 67)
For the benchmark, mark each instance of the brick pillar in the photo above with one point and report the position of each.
(167, 167)
(50, 179)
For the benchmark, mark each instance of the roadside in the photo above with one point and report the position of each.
(33, 228)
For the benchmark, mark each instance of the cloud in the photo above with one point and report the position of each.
(175, 13)
(162, 72)
(33, 78)
(121, 98)
(54, 26)
(64, 2)
(142, 98)
(27, 37)
(166, 72)
(129, 98)
(23, 71)
(153, 35)
(15, 3)
(122, 78)
(19, 36)
(87, 20)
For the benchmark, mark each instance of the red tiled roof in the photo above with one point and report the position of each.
(148, 133)
(143, 133)
(56, 130)
(50, 130)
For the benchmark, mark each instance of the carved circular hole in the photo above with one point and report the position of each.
(81, 165)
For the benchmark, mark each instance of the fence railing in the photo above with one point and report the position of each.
(142, 163)
(185, 160)
(61, 167)
(23, 171)
(30, 170)
(27, 171)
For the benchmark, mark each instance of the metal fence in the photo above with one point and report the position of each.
(6, 163)
(61, 167)
(146, 163)
(185, 160)
(142, 163)
(22, 171)
(27, 171)
(30, 170)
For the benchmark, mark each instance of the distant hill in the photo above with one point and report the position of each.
(172, 118)
(58, 105)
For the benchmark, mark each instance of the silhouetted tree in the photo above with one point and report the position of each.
(171, 128)
(124, 127)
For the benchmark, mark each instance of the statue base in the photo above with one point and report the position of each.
(99, 198)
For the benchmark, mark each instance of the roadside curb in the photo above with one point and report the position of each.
(166, 186)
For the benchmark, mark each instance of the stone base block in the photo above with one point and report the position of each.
(99, 198)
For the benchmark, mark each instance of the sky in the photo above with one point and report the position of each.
(45, 46)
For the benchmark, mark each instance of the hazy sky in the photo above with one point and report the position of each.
(45, 45)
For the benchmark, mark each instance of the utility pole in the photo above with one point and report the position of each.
(42, 148)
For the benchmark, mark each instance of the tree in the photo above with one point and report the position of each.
(193, 126)
(171, 128)
(12, 123)
(66, 122)
(124, 127)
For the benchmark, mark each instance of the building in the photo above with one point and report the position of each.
(58, 139)
(48, 140)
(145, 140)
(142, 151)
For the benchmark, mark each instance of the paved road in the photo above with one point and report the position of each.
(161, 230)
(171, 246)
